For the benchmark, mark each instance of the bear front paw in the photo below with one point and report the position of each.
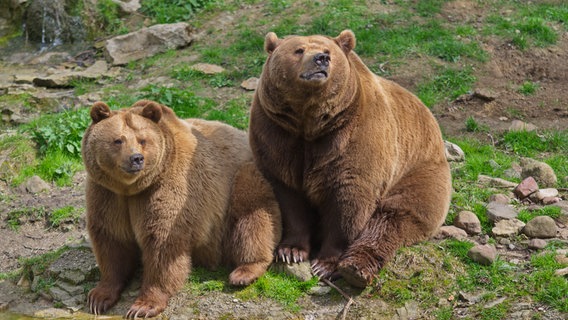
(290, 254)
(144, 309)
(325, 268)
(101, 299)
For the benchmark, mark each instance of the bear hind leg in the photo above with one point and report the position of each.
(411, 212)
(254, 226)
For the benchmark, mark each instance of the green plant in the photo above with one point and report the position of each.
(471, 125)
(551, 211)
(170, 11)
(62, 215)
(279, 287)
(528, 88)
(449, 84)
(60, 132)
(185, 103)
(17, 217)
(109, 17)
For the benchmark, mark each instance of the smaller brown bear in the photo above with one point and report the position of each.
(356, 161)
(168, 194)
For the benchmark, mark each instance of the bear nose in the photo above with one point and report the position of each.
(137, 159)
(322, 59)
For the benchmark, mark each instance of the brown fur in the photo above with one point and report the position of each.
(356, 161)
(196, 198)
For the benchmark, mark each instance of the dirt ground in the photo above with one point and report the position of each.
(495, 103)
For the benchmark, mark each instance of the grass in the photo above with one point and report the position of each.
(528, 88)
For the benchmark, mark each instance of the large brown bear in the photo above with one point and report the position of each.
(170, 194)
(356, 161)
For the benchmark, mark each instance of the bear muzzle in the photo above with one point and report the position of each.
(319, 66)
(135, 163)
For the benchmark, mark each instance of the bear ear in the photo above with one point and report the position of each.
(271, 41)
(141, 103)
(346, 40)
(153, 111)
(99, 111)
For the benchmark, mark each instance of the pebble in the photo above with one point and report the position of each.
(483, 254)
(468, 221)
(541, 227)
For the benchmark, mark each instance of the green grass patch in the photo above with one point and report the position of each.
(280, 287)
(67, 214)
(185, 103)
(17, 217)
(528, 88)
(545, 285)
(533, 143)
(448, 84)
(551, 211)
(170, 11)
(202, 280)
(20, 152)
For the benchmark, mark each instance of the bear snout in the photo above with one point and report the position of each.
(136, 162)
(322, 59)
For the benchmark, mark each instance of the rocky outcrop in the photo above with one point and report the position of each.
(147, 42)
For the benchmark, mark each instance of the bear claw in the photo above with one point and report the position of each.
(354, 276)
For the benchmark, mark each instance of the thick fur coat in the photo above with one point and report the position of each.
(167, 194)
(356, 161)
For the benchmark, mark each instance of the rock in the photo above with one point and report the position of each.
(497, 211)
(541, 227)
(507, 228)
(485, 94)
(499, 198)
(468, 221)
(494, 303)
(561, 259)
(450, 232)
(36, 184)
(561, 272)
(301, 271)
(563, 205)
(471, 298)
(63, 79)
(319, 290)
(494, 182)
(483, 254)
(512, 174)
(545, 193)
(453, 152)
(518, 125)
(128, 7)
(207, 68)
(537, 244)
(250, 84)
(527, 187)
(75, 266)
(550, 200)
(147, 42)
(540, 171)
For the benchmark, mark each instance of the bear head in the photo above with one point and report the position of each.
(308, 62)
(122, 147)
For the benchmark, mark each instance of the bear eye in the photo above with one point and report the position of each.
(142, 142)
(326, 51)
(299, 51)
(118, 142)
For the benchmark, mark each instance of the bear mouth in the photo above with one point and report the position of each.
(317, 75)
(133, 169)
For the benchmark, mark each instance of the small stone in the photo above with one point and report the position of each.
(518, 125)
(541, 227)
(537, 244)
(504, 241)
(36, 185)
(550, 200)
(250, 84)
(527, 187)
(450, 232)
(497, 211)
(561, 272)
(499, 198)
(301, 271)
(453, 152)
(507, 228)
(319, 290)
(546, 193)
(540, 171)
(208, 68)
(483, 254)
(494, 182)
(468, 221)
(561, 259)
